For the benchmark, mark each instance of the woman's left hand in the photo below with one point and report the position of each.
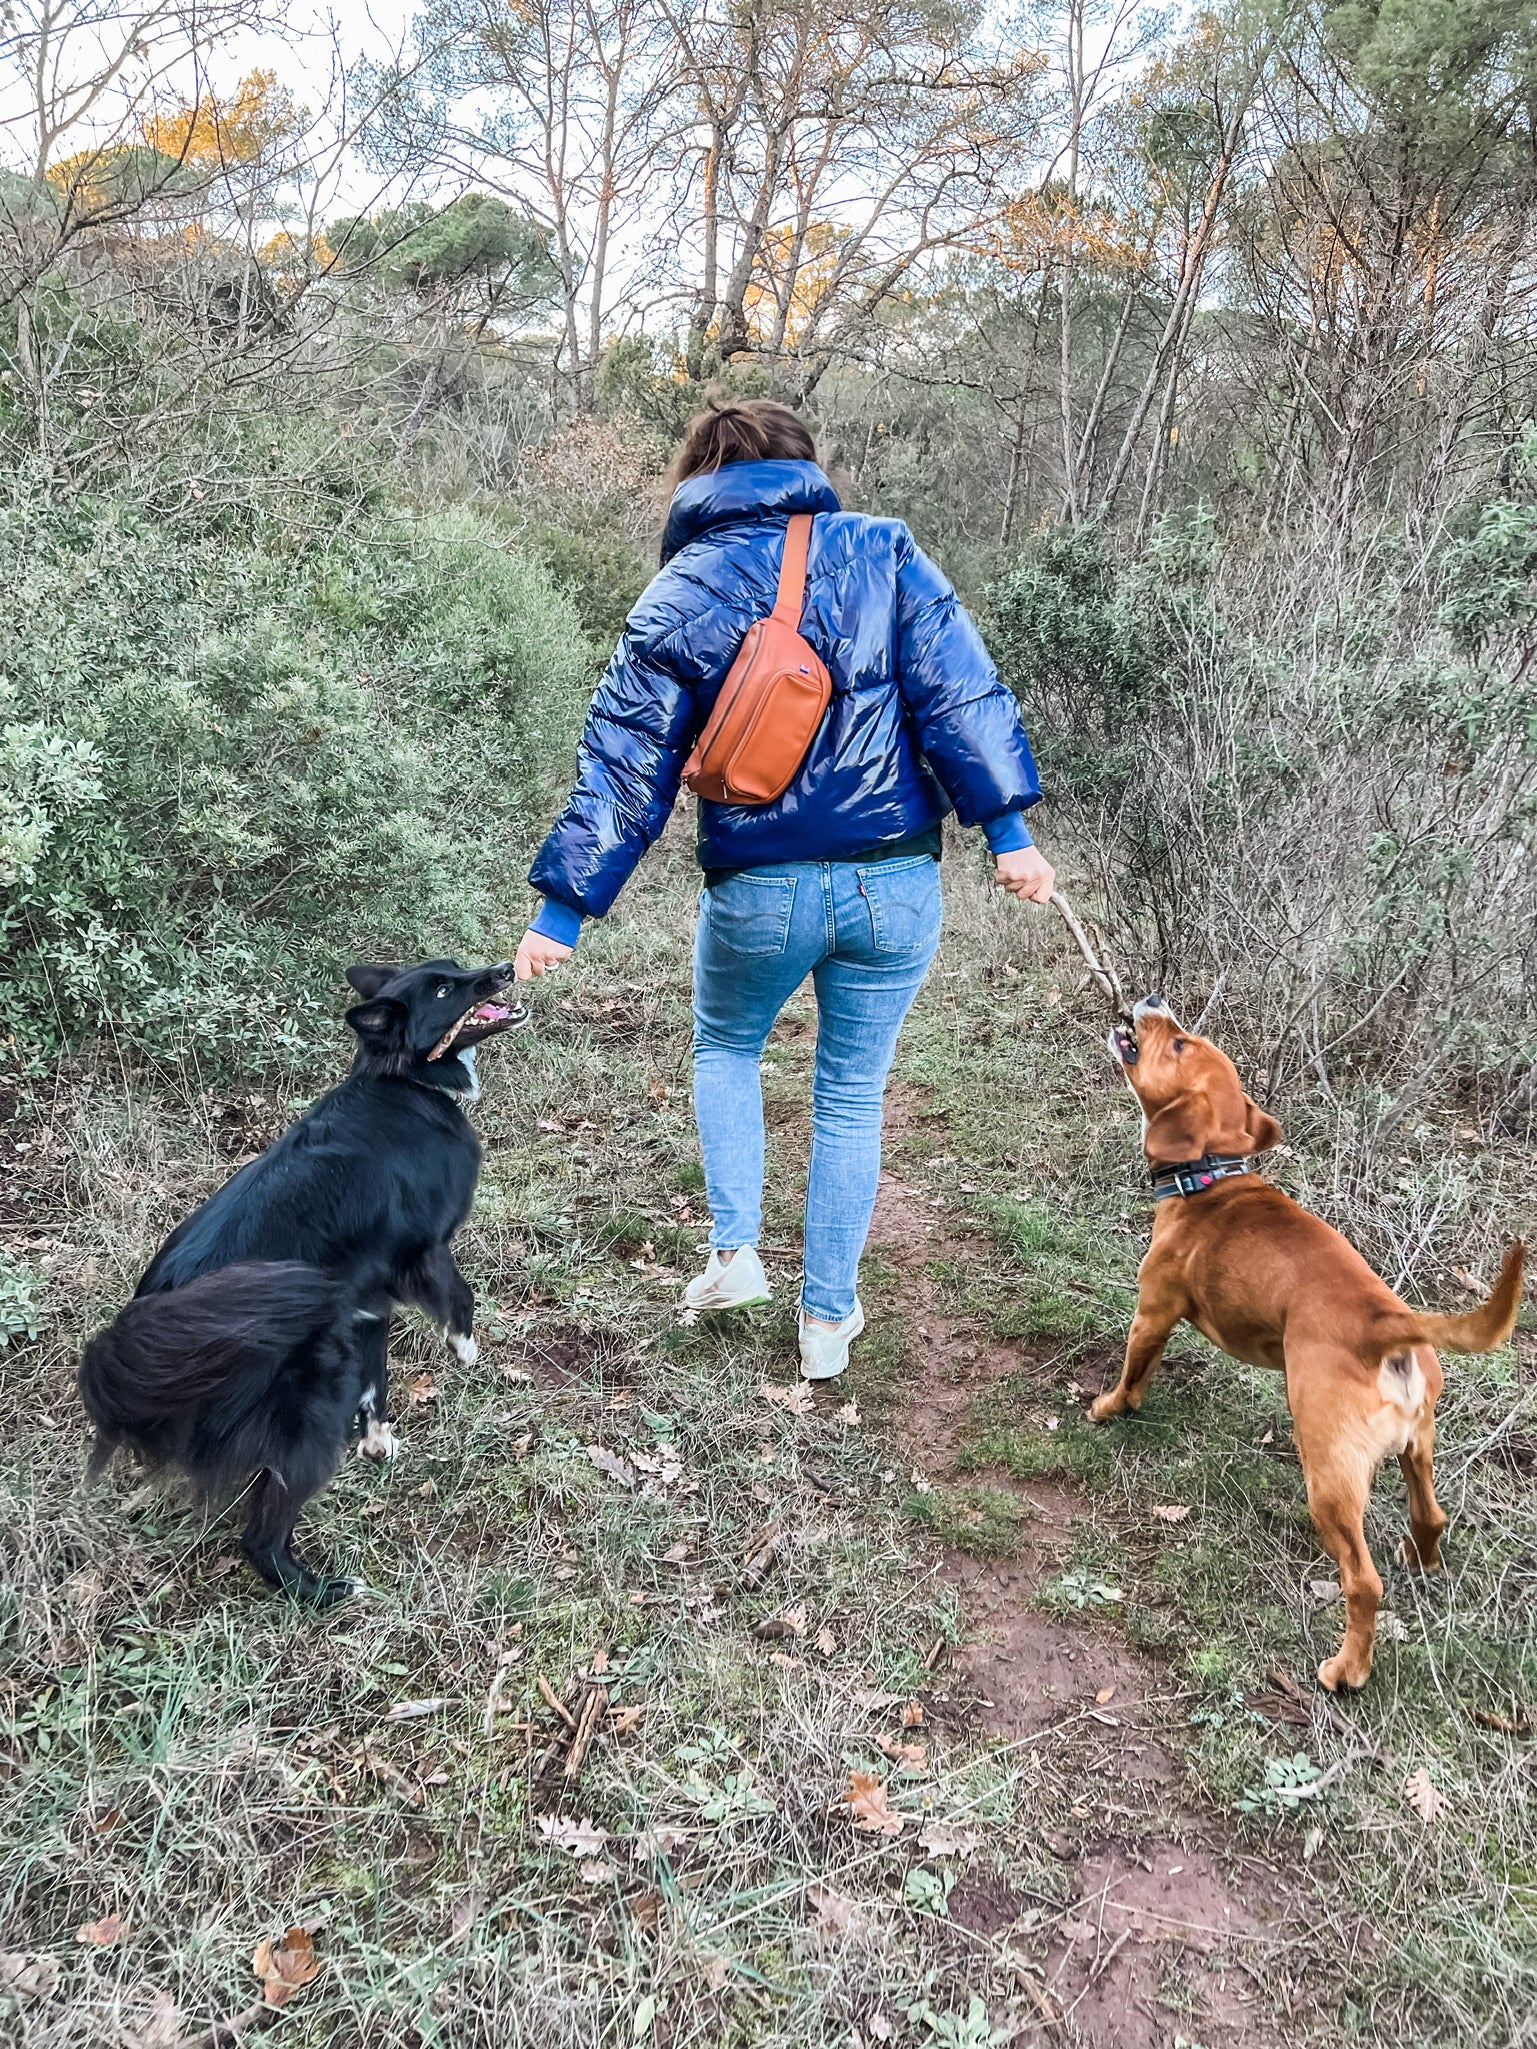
(1026, 874)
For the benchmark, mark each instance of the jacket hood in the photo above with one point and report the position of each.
(771, 490)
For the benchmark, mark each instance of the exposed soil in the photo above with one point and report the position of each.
(1175, 1918)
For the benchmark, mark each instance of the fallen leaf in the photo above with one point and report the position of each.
(466, 1913)
(676, 1553)
(826, 1642)
(880, 2027)
(577, 1838)
(599, 1662)
(595, 1871)
(422, 1390)
(162, 2028)
(285, 1966)
(911, 1756)
(1169, 1512)
(865, 1798)
(1078, 1931)
(1324, 1589)
(796, 1399)
(1426, 1798)
(1393, 1628)
(912, 1715)
(610, 1464)
(621, 1400)
(849, 1413)
(108, 1929)
(944, 1839)
(517, 1374)
(26, 1976)
(647, 1909)
(662, 1841)
(1105, 1693)
(624, 1721)
(833, 1911)
(414, 1710)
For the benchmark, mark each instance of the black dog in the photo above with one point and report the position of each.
(261, 1329)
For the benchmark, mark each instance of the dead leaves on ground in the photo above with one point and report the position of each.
(839, 1916)
(26, 1976)
(1424, 1796)
(109, 1929)
(795, 1400)
(869, 1809)
(286, 1966)
(584, 1838)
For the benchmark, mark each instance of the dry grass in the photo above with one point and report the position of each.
(198, 1758)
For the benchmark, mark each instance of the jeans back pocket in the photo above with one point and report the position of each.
(751, 913)
(905, 903)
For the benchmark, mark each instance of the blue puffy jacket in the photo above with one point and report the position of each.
(919, 724)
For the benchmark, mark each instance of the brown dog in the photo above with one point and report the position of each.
(1275, 1286)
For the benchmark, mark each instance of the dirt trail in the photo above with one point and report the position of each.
(1168, 1901)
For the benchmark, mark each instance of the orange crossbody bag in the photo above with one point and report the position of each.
(773, 700)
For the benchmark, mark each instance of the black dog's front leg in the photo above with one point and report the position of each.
(434, 1283)
(373, 1348)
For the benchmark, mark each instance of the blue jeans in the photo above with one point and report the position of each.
(866, 936)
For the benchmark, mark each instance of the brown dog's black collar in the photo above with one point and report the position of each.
(1191, 1177)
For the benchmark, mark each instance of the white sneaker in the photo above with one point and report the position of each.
(737, 1284)
(824, 1348)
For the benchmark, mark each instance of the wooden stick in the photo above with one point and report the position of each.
(594, 1707)
(1103, 975)
(261, 2015)
(1506, 1724)
(552, 1700)
(760, 1554)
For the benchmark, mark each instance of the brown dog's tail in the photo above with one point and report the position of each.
(1484, 1328)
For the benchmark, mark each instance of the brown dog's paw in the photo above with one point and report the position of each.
(1106, 1406)
(1335, 1675)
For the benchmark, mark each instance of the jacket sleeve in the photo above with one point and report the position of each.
(630, 763)
(967, 723)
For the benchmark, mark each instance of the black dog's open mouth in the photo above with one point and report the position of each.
(484, 1021)
(1124, 1040)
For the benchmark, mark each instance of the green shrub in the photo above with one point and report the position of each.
(21, 1294)
(231, 761)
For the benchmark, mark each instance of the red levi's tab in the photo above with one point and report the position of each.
(773, 700)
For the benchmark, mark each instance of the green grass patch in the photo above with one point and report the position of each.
(987, 1522)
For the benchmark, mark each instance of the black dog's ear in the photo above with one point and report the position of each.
(381, 1023)
(369, 980)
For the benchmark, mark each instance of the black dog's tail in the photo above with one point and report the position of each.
(189, 1377)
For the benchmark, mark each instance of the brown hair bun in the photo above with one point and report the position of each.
(742, 430)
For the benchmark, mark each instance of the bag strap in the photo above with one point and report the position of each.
(792, 570)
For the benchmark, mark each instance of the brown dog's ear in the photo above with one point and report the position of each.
(1262, 1128)
(1178, 1131)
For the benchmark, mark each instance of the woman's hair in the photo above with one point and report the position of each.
(742, 430)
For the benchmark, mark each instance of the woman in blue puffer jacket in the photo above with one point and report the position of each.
(838, 878)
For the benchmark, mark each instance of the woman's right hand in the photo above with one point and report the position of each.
(537, 955)
(1026, 874)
